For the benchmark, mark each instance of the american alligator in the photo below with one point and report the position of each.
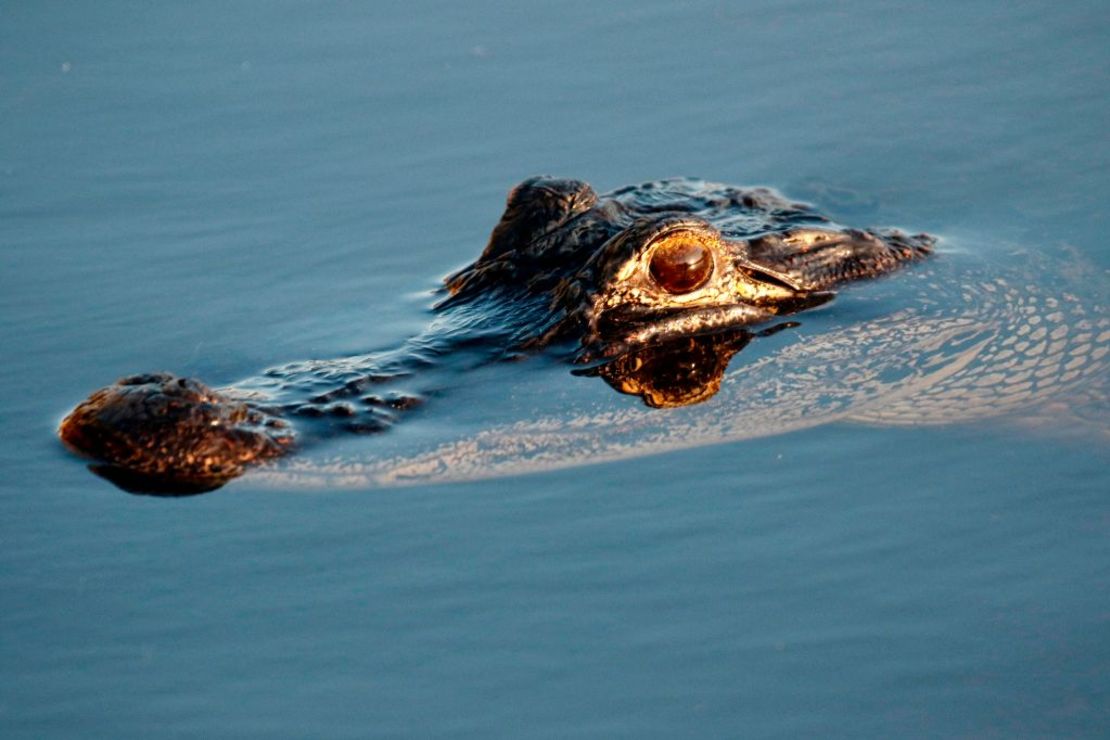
(652, 287)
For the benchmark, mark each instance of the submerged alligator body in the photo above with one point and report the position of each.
(652, 287)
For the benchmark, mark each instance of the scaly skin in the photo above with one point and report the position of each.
(641, 273)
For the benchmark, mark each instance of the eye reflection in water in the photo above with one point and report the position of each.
(680, 372)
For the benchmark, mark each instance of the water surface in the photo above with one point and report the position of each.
(214, 190)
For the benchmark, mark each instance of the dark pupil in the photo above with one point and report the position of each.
(680, 267)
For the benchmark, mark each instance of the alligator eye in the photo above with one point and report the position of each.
(681, 265)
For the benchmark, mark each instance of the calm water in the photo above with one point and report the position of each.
(214, 190)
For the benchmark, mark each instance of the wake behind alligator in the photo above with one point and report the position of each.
(653, 288)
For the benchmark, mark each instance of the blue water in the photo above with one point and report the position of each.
(215, 189)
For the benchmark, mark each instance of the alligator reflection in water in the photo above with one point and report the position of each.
(658, 282)
(678, 372)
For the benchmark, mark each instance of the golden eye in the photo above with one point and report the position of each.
(681, 265)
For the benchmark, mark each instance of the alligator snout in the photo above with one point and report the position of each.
(172, 434)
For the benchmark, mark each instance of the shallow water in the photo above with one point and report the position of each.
(214, 190)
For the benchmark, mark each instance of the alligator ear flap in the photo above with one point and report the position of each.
(535, 207)
(820, 258)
